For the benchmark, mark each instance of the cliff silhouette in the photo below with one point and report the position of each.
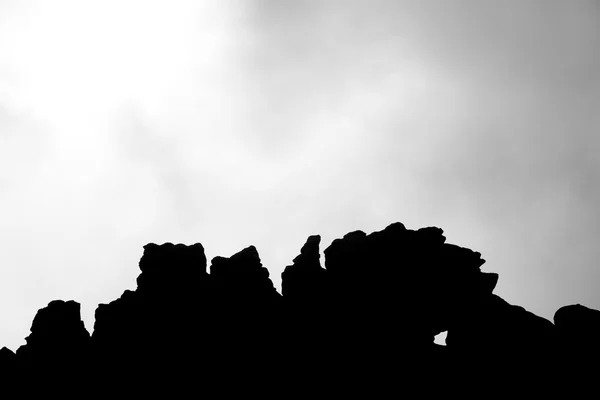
(364, 323)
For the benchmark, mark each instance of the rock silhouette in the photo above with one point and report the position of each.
(366, 321)
(58, 338)
(578, 331)
(8, 362)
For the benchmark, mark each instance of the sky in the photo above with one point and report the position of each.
(261, 122)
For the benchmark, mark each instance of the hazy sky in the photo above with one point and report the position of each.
(233, 123)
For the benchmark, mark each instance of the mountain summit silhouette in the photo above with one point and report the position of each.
(364, 323)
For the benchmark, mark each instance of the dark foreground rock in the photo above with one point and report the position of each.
(58, 339)
(578, 341)
(364, 321)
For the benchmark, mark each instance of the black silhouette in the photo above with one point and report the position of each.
(364, 324)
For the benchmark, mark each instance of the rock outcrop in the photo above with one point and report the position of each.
(578, 342)
(8, 361)
(56, 357)
(165, 318)
(366, 319)
(58, 338)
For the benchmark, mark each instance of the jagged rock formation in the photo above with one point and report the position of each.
(142, 332)
(56, 356)
(58, 338)
(246, 328)
(306, 317)
(368, 317)
(305, 279)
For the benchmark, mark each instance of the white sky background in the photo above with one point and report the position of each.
(262, 122)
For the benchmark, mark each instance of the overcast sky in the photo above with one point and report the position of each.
(262, 122)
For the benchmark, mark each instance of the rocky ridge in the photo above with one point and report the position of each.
(366, 319)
